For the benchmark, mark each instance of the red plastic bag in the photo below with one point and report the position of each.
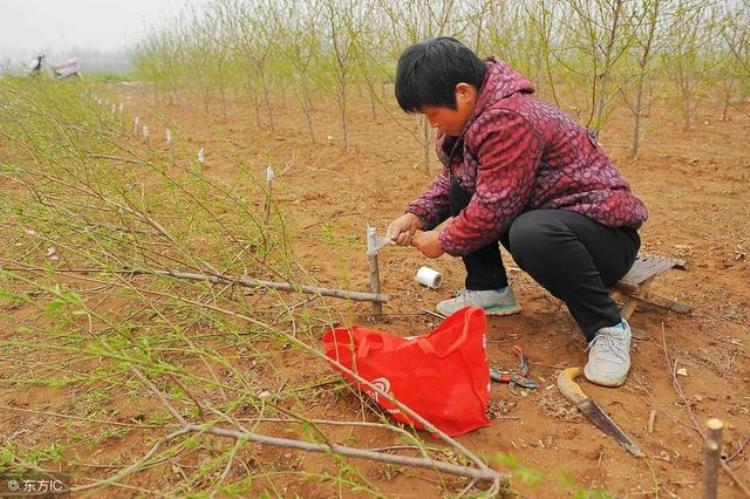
(443, 376)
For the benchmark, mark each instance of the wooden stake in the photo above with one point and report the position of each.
(145, 134)
(372, 257)
(201, 158)
(712, 457)
(651, 420)
(136, 122)
(269, 185)
(168, 137)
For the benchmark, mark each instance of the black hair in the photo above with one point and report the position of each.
(428, 72)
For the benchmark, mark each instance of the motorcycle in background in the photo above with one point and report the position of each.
(67, 69)
(35, 66)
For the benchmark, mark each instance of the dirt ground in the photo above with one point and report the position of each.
(696, 187)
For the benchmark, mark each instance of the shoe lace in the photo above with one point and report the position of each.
(464, 294)
(609, 345)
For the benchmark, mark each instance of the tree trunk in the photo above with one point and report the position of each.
(602, 101)
(307, 109)
(223, 101)
(638, 117)
(256, 102)
(426, 143)
(727, 98)
(686, 107)
(269, 103)
(204, 92)
(342, 107)
(373, 108)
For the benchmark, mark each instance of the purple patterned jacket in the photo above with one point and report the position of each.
(517, 154)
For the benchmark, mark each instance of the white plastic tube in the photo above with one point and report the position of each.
(372, 241)
(429, 277)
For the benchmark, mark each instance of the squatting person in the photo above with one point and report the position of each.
(518, 170)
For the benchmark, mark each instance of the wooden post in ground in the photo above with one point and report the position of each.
(269, 185)
(372, 257)
(201, 158)
(168, 137)
(712, 457)
(145, 134)
(136, 123)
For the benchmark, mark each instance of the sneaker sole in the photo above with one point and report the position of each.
(503, 310)
(610, 384)
(496, 311)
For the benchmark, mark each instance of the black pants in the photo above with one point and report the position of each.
(571, 256)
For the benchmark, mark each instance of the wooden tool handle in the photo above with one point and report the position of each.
(570, 388)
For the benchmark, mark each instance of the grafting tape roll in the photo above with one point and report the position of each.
(429, 277)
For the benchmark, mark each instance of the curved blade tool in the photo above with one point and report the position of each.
(573, 392)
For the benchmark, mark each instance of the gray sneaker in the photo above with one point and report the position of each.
(493, 301)
(609, 356)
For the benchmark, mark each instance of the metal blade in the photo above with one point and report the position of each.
(605, 423)
(382, 243)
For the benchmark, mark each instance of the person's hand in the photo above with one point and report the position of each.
(428, 243)
(401, 230)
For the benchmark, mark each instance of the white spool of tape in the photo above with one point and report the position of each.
(429, 277)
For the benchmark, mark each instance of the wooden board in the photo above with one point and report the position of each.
(646, 266)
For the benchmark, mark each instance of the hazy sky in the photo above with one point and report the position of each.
(60, 25)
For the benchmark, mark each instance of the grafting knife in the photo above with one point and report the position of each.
(382, 243)
(573, 392)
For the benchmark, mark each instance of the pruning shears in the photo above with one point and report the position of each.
(513, 379)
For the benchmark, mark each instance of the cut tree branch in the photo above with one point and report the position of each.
(484, 473)
(246, 282)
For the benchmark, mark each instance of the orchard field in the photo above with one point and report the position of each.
(142, 356)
